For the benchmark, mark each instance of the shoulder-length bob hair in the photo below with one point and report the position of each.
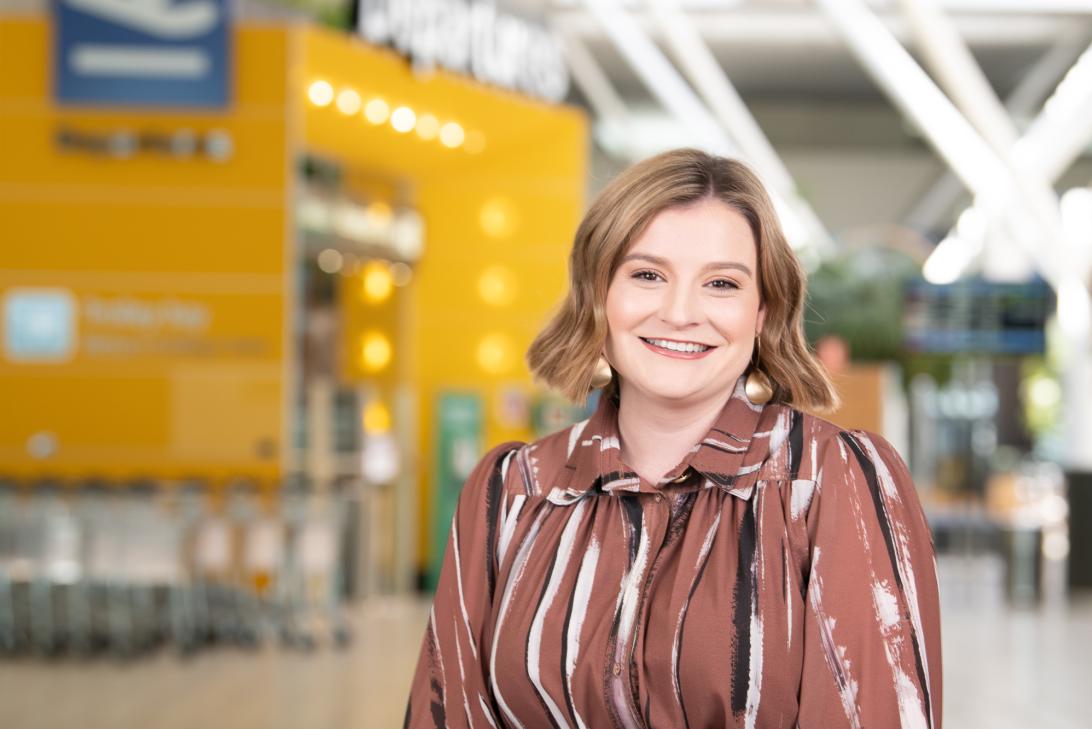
(564, 354)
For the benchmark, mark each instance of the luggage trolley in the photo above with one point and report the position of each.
(262, 558)
(212, 561)
(186, 621)
(14, 567)
(312, 587)
(55, 531)
(154, 558)
(242, 604)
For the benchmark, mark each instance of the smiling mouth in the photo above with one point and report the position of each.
(674, 346)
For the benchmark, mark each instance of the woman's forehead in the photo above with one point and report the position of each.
(697, 235)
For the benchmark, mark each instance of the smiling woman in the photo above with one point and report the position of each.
(700, 552)
(690, 229)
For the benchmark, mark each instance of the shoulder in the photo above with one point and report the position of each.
(811, 444)
(537, 467)
(525, 467)
(497, 459)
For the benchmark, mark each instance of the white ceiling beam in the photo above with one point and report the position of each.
(1063, 130)
(997, 7)
(961, 76)
(764, 28)
(991, 7)
(613, 128)
(1053, 142)
(669, 88)
(958, 72)
(661, 78)
(939, 200)
(918, 98)
(713, 84)
(593, 82)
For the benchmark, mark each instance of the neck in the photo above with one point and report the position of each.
(655, 434)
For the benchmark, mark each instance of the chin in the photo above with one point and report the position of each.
(676, 391)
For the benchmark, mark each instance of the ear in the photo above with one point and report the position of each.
(760, 321)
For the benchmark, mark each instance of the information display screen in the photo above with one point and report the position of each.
(977, 316)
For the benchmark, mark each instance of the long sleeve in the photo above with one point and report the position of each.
(872, 618)
(450, 687)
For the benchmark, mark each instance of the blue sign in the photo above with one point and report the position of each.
(142, 52)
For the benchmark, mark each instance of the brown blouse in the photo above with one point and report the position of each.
(782, 575)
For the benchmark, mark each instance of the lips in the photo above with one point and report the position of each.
(677, 349)
(659, 341)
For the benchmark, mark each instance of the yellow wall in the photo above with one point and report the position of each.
(178, 268)
(528, 185)
(166, 235)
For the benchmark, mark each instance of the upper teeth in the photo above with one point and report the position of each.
(678, 346)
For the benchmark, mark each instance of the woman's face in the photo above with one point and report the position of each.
(688, 282)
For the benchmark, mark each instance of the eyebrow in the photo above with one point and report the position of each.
(707, 267)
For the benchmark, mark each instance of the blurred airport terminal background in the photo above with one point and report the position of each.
(268, 270)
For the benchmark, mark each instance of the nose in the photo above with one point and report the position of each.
(679, 306)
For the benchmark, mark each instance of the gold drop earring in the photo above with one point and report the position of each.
(602, 375)
(758, 387)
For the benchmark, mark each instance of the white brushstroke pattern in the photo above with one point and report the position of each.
(486, 712)
(885, 606)
(725, 446)
(831, 651)
(456, 553)
(574, 435)
(514, 577)
(504, 464)
(534, 638)
(802, 492)
(439, 653)
(581, 598)
(779, 433)
(630, 598)
(789, 595)
(623, 484)
(902, 554)
(758, 578)
(676, 645)
(462, 674)
(508, 529)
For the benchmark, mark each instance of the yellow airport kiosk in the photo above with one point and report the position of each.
(286, 282)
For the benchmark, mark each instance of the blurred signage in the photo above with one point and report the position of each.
(977, 316)
(458, 448)
(216, 145)
(39, 324)
(470, 37)
(50, 324)
(142, 52)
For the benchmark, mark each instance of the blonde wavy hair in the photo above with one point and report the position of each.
(564, 354)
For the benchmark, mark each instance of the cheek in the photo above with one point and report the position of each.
(624, 309)
(741, 319)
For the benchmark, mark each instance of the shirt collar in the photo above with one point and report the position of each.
(725, 456)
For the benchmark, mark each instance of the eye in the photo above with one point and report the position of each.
(646, 275)
(725, 284)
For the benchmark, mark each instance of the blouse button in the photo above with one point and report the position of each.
(659, 498)
(685, 475)
(617, 669)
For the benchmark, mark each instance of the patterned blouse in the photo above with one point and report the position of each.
(781, 576)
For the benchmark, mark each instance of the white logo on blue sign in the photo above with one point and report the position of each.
(142, 52)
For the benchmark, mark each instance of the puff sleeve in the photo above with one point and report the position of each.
(872, 653)
(451, 686)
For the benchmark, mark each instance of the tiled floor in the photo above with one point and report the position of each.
(1004, 668)
(1011, 667)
